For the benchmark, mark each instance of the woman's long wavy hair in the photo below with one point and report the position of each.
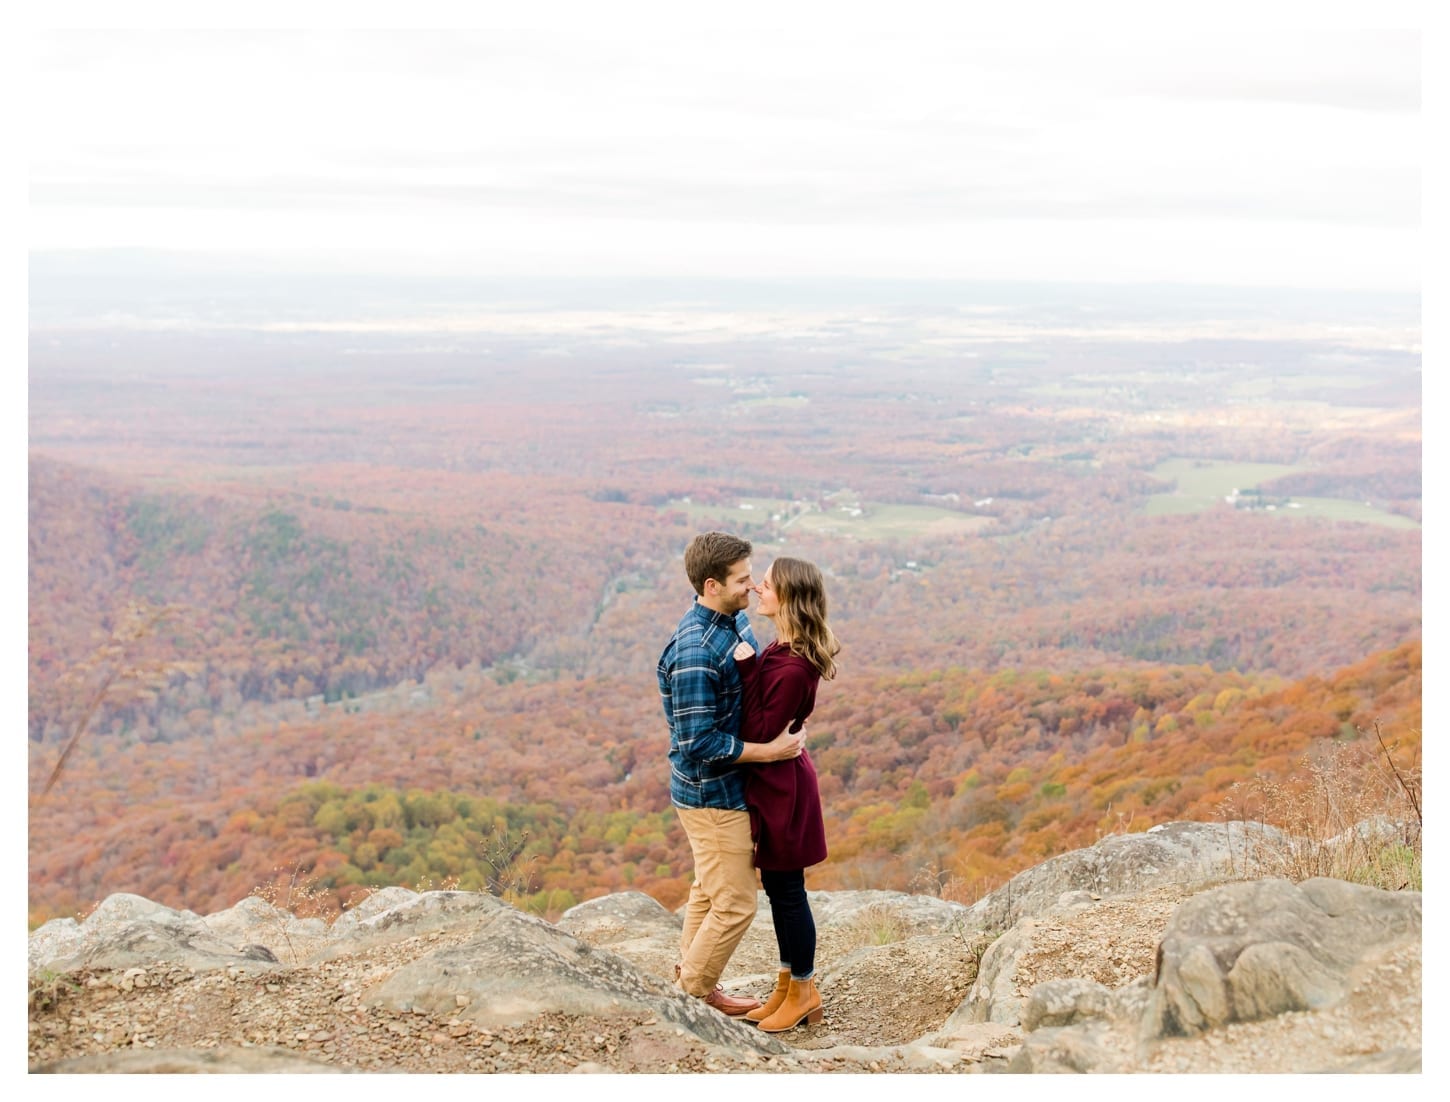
(800, 590)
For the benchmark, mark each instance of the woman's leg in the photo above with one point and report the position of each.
(795, 926)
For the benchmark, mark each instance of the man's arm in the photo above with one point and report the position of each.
(694, 685)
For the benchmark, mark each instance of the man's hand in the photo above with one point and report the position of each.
(781, 748)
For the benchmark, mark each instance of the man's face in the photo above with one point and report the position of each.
(734, 594)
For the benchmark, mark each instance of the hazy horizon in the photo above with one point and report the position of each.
(159, 289)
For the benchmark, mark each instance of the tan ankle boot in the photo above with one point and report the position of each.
(782, 984)
(802, 1002)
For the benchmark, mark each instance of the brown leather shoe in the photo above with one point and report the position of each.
(729, 1005)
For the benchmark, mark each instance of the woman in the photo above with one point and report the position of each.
(783, 797)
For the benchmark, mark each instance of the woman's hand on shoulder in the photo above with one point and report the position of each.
(743, 650)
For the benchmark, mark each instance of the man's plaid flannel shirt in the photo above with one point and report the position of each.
(700, 690)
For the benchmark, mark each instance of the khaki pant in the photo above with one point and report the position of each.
(722, 898)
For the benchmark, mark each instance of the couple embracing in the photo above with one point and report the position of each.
(740, 778)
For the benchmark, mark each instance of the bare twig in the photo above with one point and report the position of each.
(1410, 792)
(137, 622)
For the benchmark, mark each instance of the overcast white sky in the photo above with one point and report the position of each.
(1278, 157)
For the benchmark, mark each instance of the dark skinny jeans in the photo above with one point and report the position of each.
(795, 926)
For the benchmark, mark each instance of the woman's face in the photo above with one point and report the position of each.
(767, 605)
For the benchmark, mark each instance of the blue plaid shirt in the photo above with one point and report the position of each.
(700, 689)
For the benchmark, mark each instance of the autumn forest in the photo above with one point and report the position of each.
(370, 591)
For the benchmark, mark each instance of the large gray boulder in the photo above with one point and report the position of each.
(411, 914)
(1265, 947)
(632, 910)
(370, 906)
(1245, 954)
(63, 938)
(1126, 864)
(631, 924)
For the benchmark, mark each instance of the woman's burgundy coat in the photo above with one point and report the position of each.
(783, 796)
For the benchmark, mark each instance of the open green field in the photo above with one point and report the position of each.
(884, 522)
(1334, 508)
(1204, 483)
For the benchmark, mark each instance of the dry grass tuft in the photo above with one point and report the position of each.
(1354, 813)
(46, 990)
(292, 896)
(875, 924)
(946, 884)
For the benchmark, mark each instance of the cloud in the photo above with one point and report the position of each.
(278, 139)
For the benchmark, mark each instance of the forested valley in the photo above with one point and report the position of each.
(382, 606)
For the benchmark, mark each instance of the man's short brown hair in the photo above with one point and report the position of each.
(711, 555)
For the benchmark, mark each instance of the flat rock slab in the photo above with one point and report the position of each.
(517, 967)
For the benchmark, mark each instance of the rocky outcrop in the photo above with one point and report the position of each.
(1065, 942)
(1263, 952)
(1266, 947)
(1107, 975)
(127, 931)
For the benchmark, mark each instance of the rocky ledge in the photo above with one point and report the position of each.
(1143, 953)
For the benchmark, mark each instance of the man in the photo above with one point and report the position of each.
(700, 689)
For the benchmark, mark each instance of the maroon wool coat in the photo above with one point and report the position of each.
(779, 688)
